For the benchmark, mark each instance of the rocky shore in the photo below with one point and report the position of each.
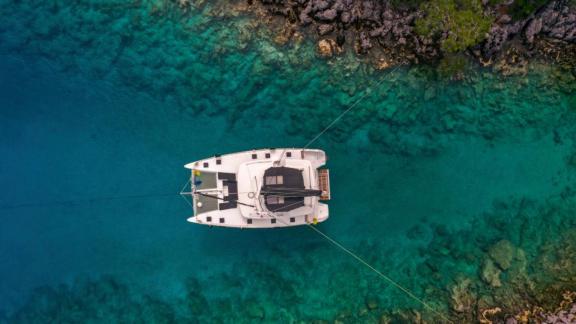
(414, 31)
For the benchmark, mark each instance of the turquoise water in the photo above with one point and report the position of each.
(102, 99)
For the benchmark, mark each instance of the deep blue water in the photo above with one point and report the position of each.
(68, 137)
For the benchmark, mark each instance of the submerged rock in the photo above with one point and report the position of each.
(372, 302)
(327, 47)
(463, 298)
(490, 273)
(254, 310)
(502, 253)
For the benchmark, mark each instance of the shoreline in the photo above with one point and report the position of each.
(388, 35)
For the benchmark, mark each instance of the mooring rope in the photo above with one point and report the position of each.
(379, 273)
(347, 110)
(340, 246)
(373, 269)
(352, 106)
(84, 201)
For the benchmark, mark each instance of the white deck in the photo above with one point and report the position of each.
(249, 167)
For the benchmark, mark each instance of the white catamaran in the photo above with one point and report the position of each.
(260, 188)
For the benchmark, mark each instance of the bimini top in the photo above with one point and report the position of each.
(284, 189)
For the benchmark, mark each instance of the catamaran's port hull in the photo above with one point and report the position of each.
(229, 220)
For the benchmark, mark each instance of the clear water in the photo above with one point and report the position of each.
(101, 100)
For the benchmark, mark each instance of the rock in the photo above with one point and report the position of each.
(384, 319)
(383, 64)
(326, 47)
(327, 15)
(319, 5)
(371, 302)
(345, 17)
(534, 27)
(325, 29)
(463, 299)
(255, 311)
(304, 16)
(430, 93)
(504, 19)
(502, 253)
(491, 274)
(364, 44)
(511, 320)
(362, 312)
(486, 315)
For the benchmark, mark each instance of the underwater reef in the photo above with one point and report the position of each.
(188, 53)
(396, 32)
(502, 267)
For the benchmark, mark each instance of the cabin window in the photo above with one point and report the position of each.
(275, 180)
(274, 200)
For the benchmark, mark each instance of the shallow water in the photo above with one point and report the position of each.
(417, 155)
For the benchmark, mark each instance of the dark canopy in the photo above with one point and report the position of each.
(284, 190)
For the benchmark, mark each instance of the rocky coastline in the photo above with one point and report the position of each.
(392, 32)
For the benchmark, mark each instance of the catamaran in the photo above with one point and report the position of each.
(260, 188)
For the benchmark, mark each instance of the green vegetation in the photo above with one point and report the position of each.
(521, 9)
(463, 20)
(407, 4)
(452, 66)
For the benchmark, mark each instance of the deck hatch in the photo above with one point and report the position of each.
(278, 182)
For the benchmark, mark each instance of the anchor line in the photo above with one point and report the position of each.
(336, 243)
(84, 201)
(379, 273)
(372, 268)
(337, 119)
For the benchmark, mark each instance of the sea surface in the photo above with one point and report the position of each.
(103, 102)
